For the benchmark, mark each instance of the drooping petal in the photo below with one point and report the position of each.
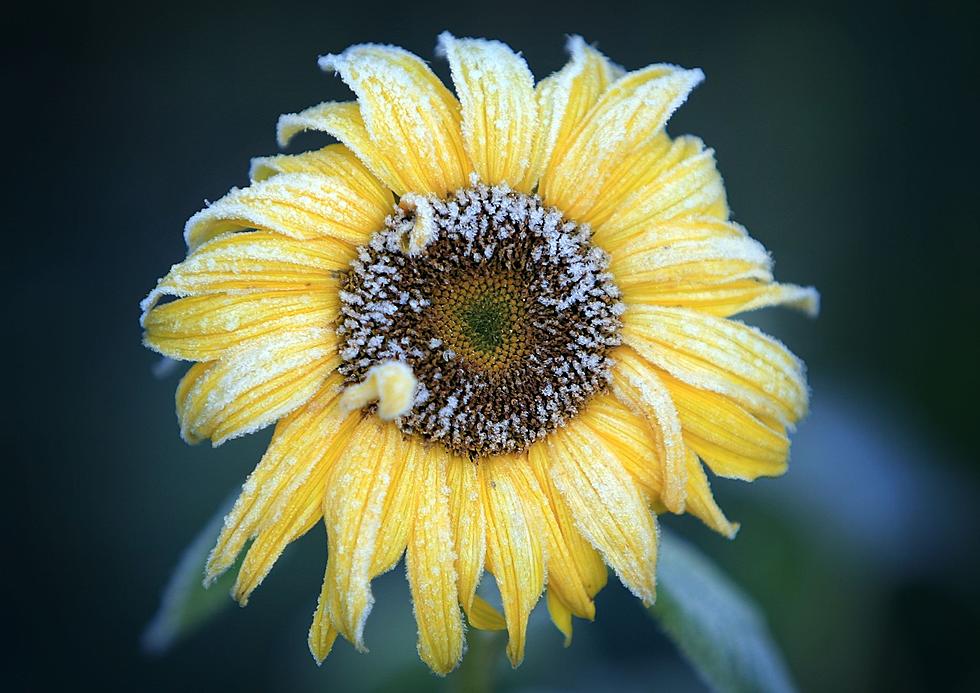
(500, 115)
(408, 113)
(202, 328)
(253, 262)
(732, 441)
(701, 502)
(469, 536)
(560, 614)
(254, 384)
(608, 508)
(290, 476)
(298, 205)
(515, 547)
(343, 120)
(637, 384)
(396, 515)
(626, 118)
(721, 355)
(352, 511)
(565, 98)
(575, 571)
(667, 180)
(628, 437)
(430, 564)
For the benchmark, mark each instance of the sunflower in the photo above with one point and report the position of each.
(493, 332)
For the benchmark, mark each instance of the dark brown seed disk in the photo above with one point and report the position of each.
(506, 316)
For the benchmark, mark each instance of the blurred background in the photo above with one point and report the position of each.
(847, 135)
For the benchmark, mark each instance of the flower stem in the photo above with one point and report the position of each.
(476, 673)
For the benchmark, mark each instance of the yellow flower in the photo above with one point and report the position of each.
(493, 330)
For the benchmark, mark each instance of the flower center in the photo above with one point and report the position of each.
(506, 313)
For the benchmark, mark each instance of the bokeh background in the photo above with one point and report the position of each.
(847, 135)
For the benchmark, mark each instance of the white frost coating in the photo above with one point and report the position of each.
(721, 355)
(239, 381)
(390, 383)
(499, 112)
(630, 113)
(298, 205)
(607, 508)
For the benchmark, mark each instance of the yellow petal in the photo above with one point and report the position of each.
(469, 528)
(637, 384)
(560, 614)
(298, 205)
(628, 437)
(289, 478)
(202, 328)
(431, 571)
(408, 113)
(575, 571)
(656, 185)
(343, 120)
(484, 616)
(627, 117)
(565, 98)
(254, 384)
(322, 635)
(701, 502)
(500, 115)
(608, 509)
(691, 262)
(720, 355)
(732, 441)
(727, 298)
(397, 513)
(333, 161)
(515, 548)
(256, 262)
(352, 511)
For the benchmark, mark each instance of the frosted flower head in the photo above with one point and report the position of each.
(493, 329)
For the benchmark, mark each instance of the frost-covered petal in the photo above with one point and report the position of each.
(666, 180)
(342, 119)
(253, 262)
(298, 205)
(627, 117)
(396, 515)
(515, 544)
(565, 98)
(576, 572)
(609, 424)
(408, 113)
(732, 441)
(608, 508)
(637, 384)
(690, 262)
(254, 384)
(723, 356)
(500, 115)
(202, 328)
(352, 511)
(726, 298)
(430, 564)
(286, 488)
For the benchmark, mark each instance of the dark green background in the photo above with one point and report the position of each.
(847, 138)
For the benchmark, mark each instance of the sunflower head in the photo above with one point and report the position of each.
(493, 330)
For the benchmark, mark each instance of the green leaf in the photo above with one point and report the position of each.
(716, 626)
(186, 605)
